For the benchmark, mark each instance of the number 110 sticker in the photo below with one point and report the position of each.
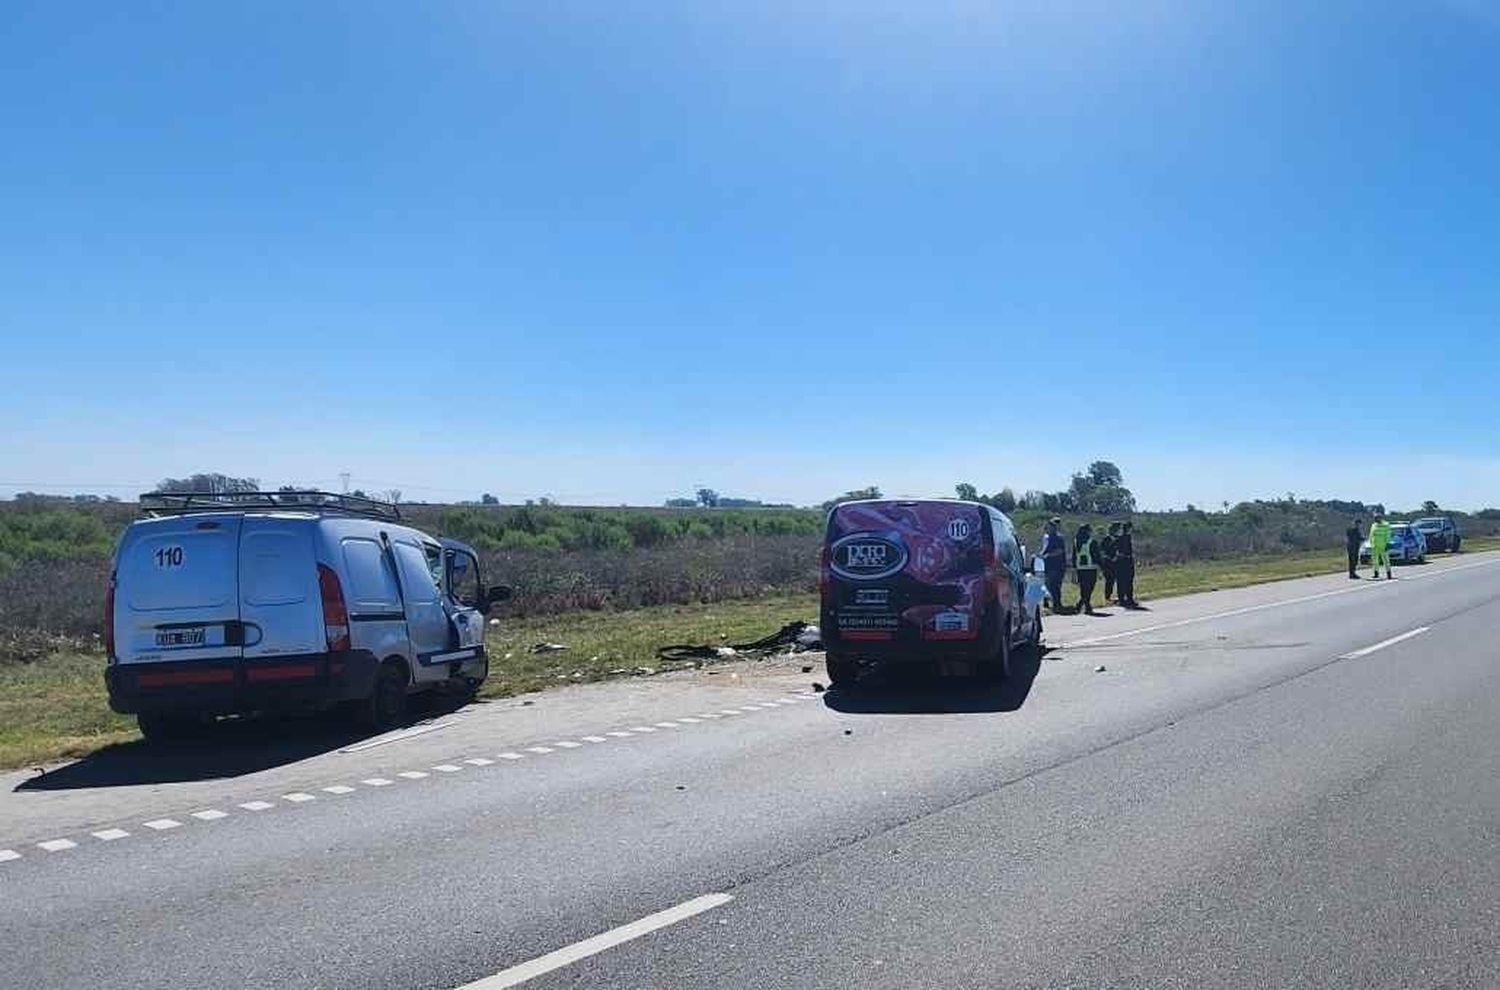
(958, 529)
(168, 556)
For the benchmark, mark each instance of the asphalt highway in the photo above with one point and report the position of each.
(1296, 784)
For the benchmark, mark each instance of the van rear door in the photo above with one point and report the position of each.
(177, 592)
(280, 604)
(907, 570)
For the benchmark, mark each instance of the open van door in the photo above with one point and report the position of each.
(178, 590)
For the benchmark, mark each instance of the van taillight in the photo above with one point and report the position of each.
(335, 615)
(991, 571)
(109, 619)
(825, 571)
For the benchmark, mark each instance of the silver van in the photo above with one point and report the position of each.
(235, 603)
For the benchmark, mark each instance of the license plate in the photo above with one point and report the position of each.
(180, 637)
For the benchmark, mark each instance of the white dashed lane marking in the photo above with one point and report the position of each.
(304, 797)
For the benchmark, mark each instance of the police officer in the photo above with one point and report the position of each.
(1353, 537)
(1107, 559)
(1125, 565)
(1085, 566)
(1055, 561)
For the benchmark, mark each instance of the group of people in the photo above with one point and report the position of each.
(1380, 546)
(1113, 555)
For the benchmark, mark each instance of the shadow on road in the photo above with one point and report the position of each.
(229, 748)
(904, 692)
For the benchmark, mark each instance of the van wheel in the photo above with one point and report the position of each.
(842, 670)
(386, 708)
(166, 729)
(1000, 667)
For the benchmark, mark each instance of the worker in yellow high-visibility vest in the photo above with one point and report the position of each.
(1380, 545)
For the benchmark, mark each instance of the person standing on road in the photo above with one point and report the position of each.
(1380, 546)
(1353, 537)
(1085, 566)
(1125, 564)
(1107, 560)
(1055, 562)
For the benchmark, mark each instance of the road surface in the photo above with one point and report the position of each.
(1295, 784)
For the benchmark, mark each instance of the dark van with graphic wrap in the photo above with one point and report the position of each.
(940, 582)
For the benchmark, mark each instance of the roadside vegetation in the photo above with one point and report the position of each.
(53, 705)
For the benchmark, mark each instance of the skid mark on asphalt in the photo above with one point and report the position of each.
(296, 798)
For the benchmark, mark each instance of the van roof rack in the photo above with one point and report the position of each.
(181, 503)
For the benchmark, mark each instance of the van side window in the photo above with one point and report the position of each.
(371, 577)
(434, 563)
(416, 576)
(463, 578)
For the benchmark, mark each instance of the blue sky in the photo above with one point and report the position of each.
(609, 252)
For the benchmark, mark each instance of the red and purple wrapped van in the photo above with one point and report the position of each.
(926, 581)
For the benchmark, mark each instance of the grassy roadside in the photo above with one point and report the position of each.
(56, 708)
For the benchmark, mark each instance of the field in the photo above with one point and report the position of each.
(55, 707)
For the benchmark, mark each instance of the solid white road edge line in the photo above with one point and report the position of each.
(593, 946)
(397, 736)
(1367, 650)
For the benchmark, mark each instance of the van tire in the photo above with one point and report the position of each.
(1000, 666)
(842, 670)
(164, 729)
(386, 707)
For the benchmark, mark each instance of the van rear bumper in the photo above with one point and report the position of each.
(236, 685)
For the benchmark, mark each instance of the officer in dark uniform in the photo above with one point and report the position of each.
(1107, 559)
(1125, 565)
(1353, 537)
(1055, 561)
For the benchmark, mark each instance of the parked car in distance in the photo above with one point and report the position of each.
(1440, 532)
(231, 604)
(940, 583)
(1407, 545)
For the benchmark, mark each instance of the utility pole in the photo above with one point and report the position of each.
(344, 477)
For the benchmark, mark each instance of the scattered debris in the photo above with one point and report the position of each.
(509, 655)
(1099, 669)
(786, 639)
(810, 638)
(818, 688)
(848, 732)
(620, 670)
(682, 787)
(548, 648)
(647, 671)
(807, 668)
(494, 623)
